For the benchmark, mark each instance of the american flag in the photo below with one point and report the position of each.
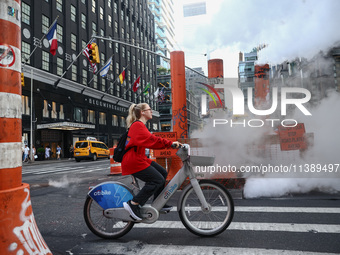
(87, 54)
(161, 96)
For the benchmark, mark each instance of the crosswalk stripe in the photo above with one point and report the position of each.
(136, 247)
(255, 226)
(263, 209)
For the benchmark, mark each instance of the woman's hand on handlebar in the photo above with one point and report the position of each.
(176, 145)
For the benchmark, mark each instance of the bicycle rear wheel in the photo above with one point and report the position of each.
(211, 222)
(102, 226)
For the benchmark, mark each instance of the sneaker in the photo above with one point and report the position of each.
(134, 210)
(166, 208)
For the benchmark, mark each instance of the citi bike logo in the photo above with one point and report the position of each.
(102, 193)
(238, 106)
(170, 191)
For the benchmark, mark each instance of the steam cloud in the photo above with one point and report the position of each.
(238, 146)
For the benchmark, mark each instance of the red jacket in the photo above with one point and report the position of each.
(135, 159)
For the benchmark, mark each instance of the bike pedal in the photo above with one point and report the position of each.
(164, 211)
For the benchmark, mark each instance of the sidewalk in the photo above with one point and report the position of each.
(46, 161)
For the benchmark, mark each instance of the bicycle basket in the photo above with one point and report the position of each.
(202, 160)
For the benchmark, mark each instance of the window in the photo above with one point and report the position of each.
(93, 6)
(25, 105)
(78, 114)
(114, 120)
(101, 13)
(109, 18)
(60, 66)
(54, 110)
(74, 73)
(45, 110)
(73, 42)
(116, 27)
(61, 112)
(103, 85)
(91, 116)
(73, 13)
(109, 3)
(25, 13)
(122, 122)
(25, 52)
(45, 61)
(60, 33)
(94, 28)
(45, 24)
(95, 81)
(84, 77)
(60, 5)
(115, 7)
(83, 21)
(102, 118)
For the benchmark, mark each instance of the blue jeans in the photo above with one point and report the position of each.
(154, 177)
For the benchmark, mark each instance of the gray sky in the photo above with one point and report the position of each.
(291, 28)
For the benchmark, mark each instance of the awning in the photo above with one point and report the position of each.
(65, 126)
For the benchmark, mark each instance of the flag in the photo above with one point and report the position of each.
(122, 77)
(87, 54)
(146, 89)
(52, 38)
(105, 68)
(136, 84)
(156, 94)
(161, 96)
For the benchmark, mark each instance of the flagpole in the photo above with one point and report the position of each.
(26, 60)
(62, 76)
(99, 70)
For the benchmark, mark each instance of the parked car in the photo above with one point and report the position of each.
(90, 149)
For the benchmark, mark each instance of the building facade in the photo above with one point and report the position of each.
(163, 10)
(85, 104)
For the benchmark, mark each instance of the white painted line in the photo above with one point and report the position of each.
(135, 247)
(255, 226)
(263, 209)
(287, 209)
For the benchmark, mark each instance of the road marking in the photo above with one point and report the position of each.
(263, 209)
(136, 247)
(255, 226)
(287, 209)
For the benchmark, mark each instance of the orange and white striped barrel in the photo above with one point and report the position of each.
(19, 233)
(115, 167)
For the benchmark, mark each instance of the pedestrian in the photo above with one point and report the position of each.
(47, 152)
(34, 151)
(135, 161)
(71, 152)
(58, 152)
(26, 153)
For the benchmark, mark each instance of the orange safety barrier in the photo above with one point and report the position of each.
(115, 166)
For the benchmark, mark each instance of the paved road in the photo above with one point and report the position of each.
(291, 225)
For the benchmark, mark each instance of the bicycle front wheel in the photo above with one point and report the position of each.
(207, 222)
(102, 226)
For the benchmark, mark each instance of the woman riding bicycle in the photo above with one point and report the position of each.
(135, 161)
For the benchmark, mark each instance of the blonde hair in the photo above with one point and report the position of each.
(135, 113)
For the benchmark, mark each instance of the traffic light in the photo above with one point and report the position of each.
(94, 53)
(22, 80)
